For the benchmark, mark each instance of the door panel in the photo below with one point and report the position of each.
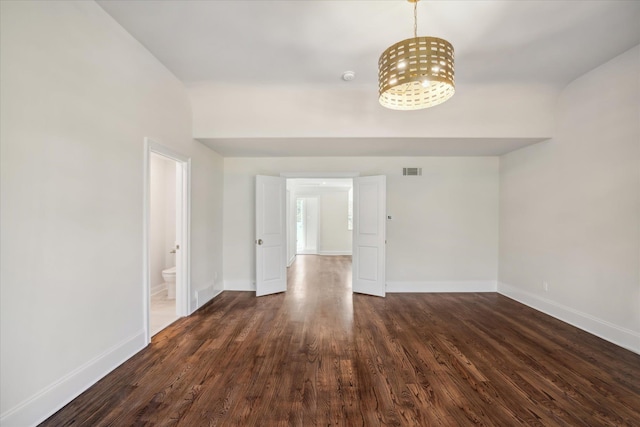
(367, 263)
(369, 234)
(271, 268)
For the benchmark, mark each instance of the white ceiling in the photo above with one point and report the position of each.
(310, 43)
(313, 42)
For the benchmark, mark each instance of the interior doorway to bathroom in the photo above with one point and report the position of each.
(163, 246)
(166, 260)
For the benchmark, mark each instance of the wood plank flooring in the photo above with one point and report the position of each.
(320, 356)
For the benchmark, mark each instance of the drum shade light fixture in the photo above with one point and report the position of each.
(416, 73)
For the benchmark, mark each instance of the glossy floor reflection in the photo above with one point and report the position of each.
(319, 288)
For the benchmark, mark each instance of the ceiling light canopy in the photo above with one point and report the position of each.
(416, 73)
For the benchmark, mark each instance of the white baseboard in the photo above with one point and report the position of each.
(156, 289)
(334, 253)
(623, 337)
(239, 285)
(49, 400)
(443, 286)
(293, 258)
(205, 295)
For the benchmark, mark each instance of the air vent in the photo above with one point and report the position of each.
(412, 171)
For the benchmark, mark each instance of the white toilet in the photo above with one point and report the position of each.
(169, 276)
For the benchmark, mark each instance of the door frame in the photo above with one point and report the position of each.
(183, 227)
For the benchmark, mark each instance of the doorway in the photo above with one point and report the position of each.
(166, 237)
(163, 245)
(275, 247)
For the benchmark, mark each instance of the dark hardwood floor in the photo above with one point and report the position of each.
(320, 356)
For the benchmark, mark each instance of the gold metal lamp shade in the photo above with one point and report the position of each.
(416, 73)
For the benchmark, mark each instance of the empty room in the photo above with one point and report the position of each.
(319, 212)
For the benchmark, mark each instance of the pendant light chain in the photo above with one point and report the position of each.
(415, 19)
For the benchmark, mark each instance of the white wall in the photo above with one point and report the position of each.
(444, 232)
(206, 223)
(352, 110)
(79, 95)
(170, 202)
(162, 227)
(335, 237)
(570, 208)
(291, 226)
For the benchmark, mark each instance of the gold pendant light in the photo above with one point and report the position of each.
(417, 72)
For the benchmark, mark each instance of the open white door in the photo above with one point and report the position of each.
(271, 236)
(369, 234)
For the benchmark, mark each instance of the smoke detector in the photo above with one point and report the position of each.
(347, 76)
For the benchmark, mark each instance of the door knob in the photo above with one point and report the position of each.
(259, 241)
